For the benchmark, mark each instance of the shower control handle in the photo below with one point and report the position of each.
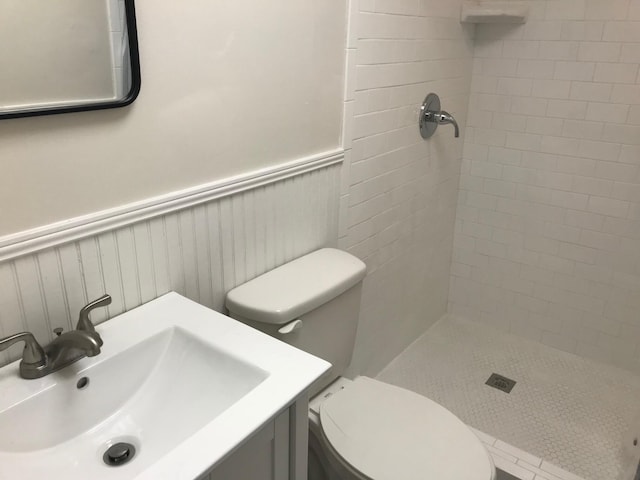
(431, 116)
(445, 118)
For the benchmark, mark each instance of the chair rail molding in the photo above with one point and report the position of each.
(52, 235)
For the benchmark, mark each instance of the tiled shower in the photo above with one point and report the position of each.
(546, 223)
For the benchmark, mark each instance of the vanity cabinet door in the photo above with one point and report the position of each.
(264, 456)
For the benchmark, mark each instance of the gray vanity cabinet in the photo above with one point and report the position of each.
(278, 451)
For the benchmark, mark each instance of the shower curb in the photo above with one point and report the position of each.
(521, 464)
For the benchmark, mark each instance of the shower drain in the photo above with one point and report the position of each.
(501, 383)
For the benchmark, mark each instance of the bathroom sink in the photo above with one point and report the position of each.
(177, 385)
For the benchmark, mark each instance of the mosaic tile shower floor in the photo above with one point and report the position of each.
(568, 410)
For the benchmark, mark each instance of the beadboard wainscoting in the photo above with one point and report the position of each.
(199, 244)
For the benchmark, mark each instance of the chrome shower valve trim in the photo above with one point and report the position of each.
(431, 116)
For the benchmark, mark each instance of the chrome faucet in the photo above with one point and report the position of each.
(64, 350)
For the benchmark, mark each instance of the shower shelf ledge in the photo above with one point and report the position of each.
(507, 11)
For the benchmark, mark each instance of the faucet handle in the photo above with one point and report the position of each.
(84, 323)
(445, 118)
(32, 355)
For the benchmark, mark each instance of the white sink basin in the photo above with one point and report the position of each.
(181, 383)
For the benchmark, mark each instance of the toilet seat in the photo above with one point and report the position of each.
(389, 433)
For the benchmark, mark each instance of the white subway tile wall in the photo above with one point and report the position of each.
(548, 221)
(399, 191)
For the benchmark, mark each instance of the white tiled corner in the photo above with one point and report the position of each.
(556, 103)
(403, 190)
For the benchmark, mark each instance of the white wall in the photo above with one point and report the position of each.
(399, 194)
(227, 87)
(548, 224)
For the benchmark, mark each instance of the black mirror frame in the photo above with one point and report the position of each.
(134, 54)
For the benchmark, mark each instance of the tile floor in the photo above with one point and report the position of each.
(564, 410)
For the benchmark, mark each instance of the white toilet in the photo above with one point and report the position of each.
(360, 429)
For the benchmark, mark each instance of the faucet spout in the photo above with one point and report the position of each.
(64, 350)
(84, 343)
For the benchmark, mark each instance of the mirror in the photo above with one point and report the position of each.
(60, 56)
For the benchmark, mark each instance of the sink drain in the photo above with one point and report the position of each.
(119, 454)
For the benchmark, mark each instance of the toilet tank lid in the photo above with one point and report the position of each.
(297, 287)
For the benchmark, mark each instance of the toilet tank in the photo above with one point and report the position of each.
(312, 303)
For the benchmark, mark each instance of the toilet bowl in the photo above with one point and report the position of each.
(360, 429)
(367, 429)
